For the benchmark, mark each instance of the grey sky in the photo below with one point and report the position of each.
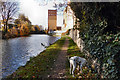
(37, 11)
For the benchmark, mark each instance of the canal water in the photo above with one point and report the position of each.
(17, 51)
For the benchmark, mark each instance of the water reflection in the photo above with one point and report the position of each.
(16, 52)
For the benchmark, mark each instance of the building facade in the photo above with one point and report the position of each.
(52, 20)
(68, 19)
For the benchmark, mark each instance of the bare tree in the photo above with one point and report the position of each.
(8, 9)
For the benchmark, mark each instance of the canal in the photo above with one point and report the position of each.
(17, 51)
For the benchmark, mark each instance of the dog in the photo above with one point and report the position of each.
(74, 61)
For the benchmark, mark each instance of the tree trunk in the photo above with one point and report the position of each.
(6, 26)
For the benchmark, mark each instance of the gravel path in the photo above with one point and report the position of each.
(59, 67)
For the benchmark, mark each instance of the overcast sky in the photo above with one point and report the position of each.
(37, 14)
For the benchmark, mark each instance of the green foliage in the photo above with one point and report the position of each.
(101, 34)
(93, 13)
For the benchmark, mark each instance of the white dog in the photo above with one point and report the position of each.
(74, 61)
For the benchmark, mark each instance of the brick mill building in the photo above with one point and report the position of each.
(52, 20)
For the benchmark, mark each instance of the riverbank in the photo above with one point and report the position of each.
(53, 63)
(9, 36)
(39, 66)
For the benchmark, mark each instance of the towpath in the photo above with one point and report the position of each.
(59, 67)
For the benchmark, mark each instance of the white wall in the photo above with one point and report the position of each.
(74, 34)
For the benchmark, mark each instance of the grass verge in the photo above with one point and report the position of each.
(73, 50)
(40, 65)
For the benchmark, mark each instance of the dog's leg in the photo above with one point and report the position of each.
(82, 63)
(74, 66)
(78, 67)
(70, 68)
(81, 66)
